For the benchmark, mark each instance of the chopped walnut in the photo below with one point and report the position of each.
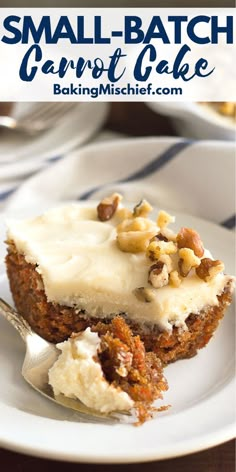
(134, 241)
(157, 248)
(159, 237)
(124, 213)
(169, 234)
(136, 224)
(187, 261)
(166, 235)
(108, 206)
(144, 294)
(164, 219)
(208, 269)
(167, 261)
(189, 238)
(175, 279)
(143, 208)
(158, 275)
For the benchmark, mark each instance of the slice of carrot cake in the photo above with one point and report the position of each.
(78, 265)
(108, 369)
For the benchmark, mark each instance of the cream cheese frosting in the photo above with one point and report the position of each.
(77, 374)
(82, 267)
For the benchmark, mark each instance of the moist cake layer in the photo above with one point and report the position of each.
(56, 322)
(82, 267)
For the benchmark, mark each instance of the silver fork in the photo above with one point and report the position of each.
(40, 356)
(45, 116)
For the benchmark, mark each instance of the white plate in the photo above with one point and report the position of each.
(192, 119)
(201, 392)
(22, 155)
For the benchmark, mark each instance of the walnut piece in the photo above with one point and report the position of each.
(175, 279)
(164, 219)
(124, 213)
(169, 234)
(167, 261)
(189, 238)
(108, 206)
(160, 237)
(157, 248)
(136, 224)
(144, 294)
(187, 261)
(158, 275)
(208, 269)
(134, 241)
(143, 208)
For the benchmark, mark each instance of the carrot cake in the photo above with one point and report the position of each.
(78, 265)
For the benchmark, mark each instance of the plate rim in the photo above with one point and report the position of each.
(132, 459)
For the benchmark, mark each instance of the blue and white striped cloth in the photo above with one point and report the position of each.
(181, 175)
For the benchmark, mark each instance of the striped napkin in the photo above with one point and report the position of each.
(192, 177)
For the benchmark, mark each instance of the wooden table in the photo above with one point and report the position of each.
(218, 459)
(132, 119)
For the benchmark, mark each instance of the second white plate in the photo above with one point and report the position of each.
(20, 155)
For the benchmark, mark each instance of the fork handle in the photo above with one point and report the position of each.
(16, 320)
(8, 122)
